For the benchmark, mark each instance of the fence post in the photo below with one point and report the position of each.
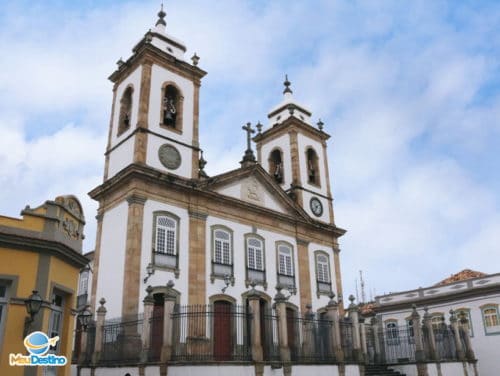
(101, 316)
(463, 327)
(333, 315)
(431, 341)
(254, 303)
(456, 336)
(362, 336)
(146, 324)
(280, 300)
(308, 344)
(419, 344)
(169, 305)
(356, 341)
(379, 356)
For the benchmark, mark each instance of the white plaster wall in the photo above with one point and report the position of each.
(121, 157)
(160, 75)
(161, 277)
(485, 346)
(322, 301)
(411, 369)
(153, 160)
(305, 142)
(319, 370)
(455, 368)
(283, 142)
(352, 370)
(239, 261)
(162, 45)
(215, 370)
(116, 371)
(133, 79)
(112, 259)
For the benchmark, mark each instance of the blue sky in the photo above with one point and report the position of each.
(409, 91)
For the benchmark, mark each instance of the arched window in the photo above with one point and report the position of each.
(392, 332)
(255, 260)
(166, 242)
(222, 252)
(491, 318)
(276, 165)
(312, 167)
(125, 110)
(286, 272)
(171, 108)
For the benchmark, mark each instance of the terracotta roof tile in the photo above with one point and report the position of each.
(461, 276)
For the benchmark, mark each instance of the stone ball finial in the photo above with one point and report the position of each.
(195, 59)
(102, 302)
(149, 289)
(170, 284)
(352, 298)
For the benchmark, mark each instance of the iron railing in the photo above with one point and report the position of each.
(269, 335)
(121, 341)
(445, 343)
(346, 329)
(398, 344)
(312, 340)
(211, 332)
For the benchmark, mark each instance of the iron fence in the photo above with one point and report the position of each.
(398, 344)
(445, 343)
(269, 335)
(311, 341)
(346, 328)
(121, 341)
(218, 332)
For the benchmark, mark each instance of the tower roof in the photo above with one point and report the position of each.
(288, 107)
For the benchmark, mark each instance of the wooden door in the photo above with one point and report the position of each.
(222, 330)
(157, 328)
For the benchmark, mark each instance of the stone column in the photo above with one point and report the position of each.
(132, 267)
(463, 328)
(430, 340)
(282, 326)
(101, 317)
(146, 324)
(362, 336)
(419, 344)
(308, 332)
(254, 303)
(379, 353)
(456, 336)
(169, 306)
(332, 310)
(356, 341)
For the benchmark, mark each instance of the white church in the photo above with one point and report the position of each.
(237, 273)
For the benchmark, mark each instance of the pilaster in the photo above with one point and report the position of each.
(304, 273)
(197, 257)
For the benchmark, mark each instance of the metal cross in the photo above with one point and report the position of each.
(249, 130)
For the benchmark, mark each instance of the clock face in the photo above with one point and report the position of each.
(169, 156)
(316, 207)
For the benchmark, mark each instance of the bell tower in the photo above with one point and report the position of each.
(154, 116)
(294, 152)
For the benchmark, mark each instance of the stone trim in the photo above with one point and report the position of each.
(110, 130)
(338, 279)
(304, 275)
(295, 160)
(132, 268)
(328, 184)
(197, 261)
(198, 215)
(97, 254)
(141, 139)
(290, 124)
(136, 199)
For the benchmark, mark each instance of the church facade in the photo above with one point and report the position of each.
(269, 223)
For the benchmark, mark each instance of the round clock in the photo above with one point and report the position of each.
(169, 156)
(316, 207)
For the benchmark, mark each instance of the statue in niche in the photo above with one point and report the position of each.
(169, 111)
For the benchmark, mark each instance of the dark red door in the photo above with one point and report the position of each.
(157, 328)
(222, 330)
(290, 328)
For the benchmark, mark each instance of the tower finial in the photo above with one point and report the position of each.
(161, 17)
(287, 85)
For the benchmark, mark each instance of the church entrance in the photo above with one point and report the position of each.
(157, 327)
(222, 330)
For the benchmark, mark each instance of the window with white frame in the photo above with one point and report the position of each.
(286, 272)
(491, 319)
(323, 279)
(222, 252)
(255, 260)
(392, 332)
(165, 244)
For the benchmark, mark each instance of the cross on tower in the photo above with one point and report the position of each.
(249, 156)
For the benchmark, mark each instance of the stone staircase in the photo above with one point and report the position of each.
(380, 370)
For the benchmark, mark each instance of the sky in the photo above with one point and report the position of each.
(408, 90)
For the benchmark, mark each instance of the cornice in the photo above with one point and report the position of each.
(291, 124)
(28, 243)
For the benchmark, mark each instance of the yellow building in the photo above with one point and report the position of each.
(40, 255)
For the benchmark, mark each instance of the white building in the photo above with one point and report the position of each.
(473, 294)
